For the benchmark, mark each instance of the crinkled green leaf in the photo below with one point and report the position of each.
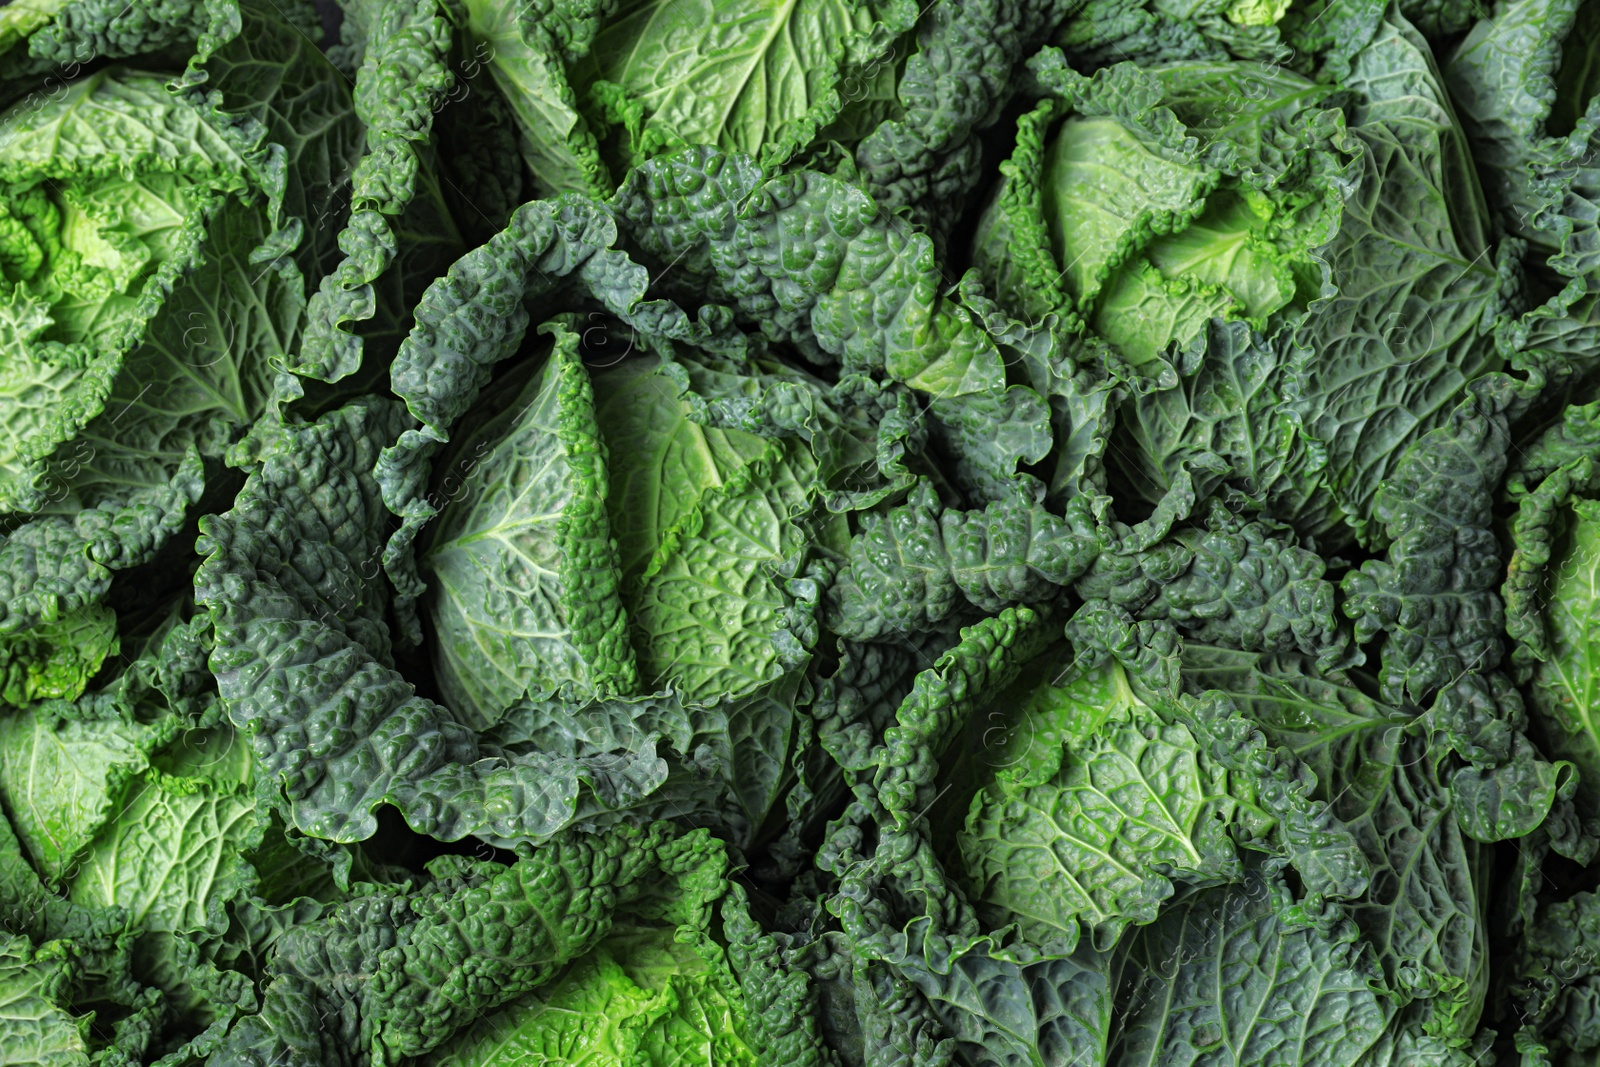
(55, 660)
(406, 971)
(1422, 913)
(1276, 790)
(1513, 799)
(1134, 808)
(1386, 354)
(918, 565)
(335, 724)
(1225, 420)
(35, 1028)
(764, 80)
(988, 435)
(775, 973)
(638, 996)
(1501, 82)
(967, 55)
(997, 1011)
(1563, 695)
(944, 697)
(861, 289)
(1222, 977)
(83, 294)
(1251, 590)
(404, 82)
(525, 48)
(170, 857)
(1125, 218)
(1434, 598)
(1569, 187)
(728, 758)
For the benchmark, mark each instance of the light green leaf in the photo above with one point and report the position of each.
(525, 576)
(1108, 192)
(94, 253)
(62, 780)
(1134, 808)
(1062, 713)
(522, 45)
(1566, 686)
(20, 18)
(755, 78)
(1142, 312)
(170, 856)
(659, 461)
(35, 1030)
(55, 659)
(1227, 247)
(640, 997)
(713, 597)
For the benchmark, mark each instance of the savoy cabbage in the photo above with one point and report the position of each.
(842, 533)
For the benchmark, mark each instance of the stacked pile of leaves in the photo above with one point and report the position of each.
(831, 534)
